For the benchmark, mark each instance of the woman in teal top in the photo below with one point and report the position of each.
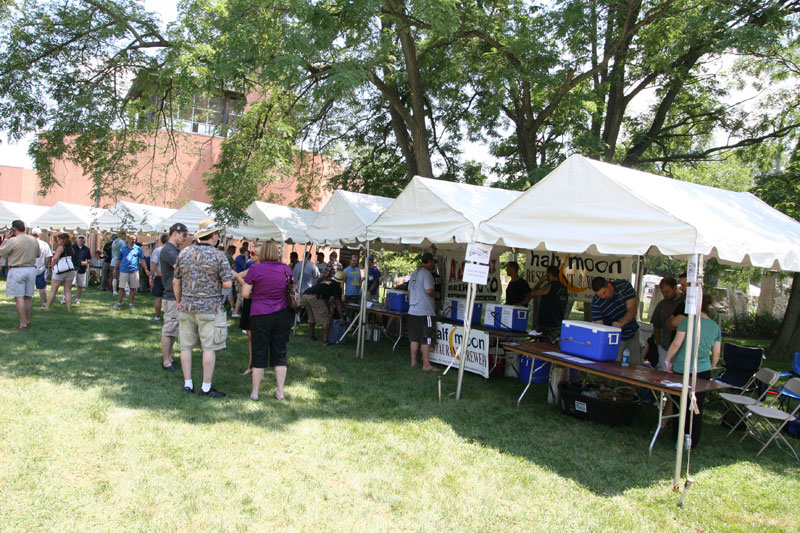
(707, 359)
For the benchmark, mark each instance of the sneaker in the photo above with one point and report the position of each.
(156, 319)
(170, 368)
(115, 293)
(117, 304)
(327, 343)
(130, 305)
(190, 390)
(77, 302)
(213, 393)
(63, 300)
(235, 315)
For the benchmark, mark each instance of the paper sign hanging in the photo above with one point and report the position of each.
(476, 273)
(478, 253)
(691, 270)
(691, 301)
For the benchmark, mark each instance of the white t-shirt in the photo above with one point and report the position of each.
(44, 254)
(420, 303)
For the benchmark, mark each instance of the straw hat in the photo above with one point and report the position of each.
(339, 276)
(206, 227)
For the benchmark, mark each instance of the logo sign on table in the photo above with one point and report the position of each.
(448, 344)
(576, 271)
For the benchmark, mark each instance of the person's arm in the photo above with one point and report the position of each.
(176, 289)
(537, 292)
(674, 321)
(57, 255)
(715, 351)
(628, 317)
(143, 264)
(657, 335)
(247, 289)
(673, 348)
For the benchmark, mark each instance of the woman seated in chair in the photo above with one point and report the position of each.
(707, 359)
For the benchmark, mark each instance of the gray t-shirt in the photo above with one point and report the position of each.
(310, 276)
(167, 259)
(420, 303)
(661, 314)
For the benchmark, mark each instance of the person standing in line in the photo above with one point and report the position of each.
(116, 247)
(45, 253)
(201, 273)
(20, 251)
(167, 257)
(131, 259)
(155, 277)
(64, 249)
(83, 257)
(108, 271)
(421, 311)
(316, 301)
(244, 319)
(270, 317)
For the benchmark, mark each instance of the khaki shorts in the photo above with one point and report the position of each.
(20, 282)
(171, 325)
(129, 280)
(202, 330)
(316, 309)
(82, 280)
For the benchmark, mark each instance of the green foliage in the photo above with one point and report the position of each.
(752, 325)
(400, 263)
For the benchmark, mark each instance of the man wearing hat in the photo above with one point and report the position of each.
(82, 258)
(201, 273)
(178, 235)
(421, 311)
(131, 258)
(45, 253)
(316, 301)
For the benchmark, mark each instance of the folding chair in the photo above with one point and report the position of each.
(783, 394)
(740, 363)
(737, 403)
(766, 422)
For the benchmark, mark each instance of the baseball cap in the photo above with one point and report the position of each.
(372, 258)
(36, 231)
(179, 227)
(427, 256)
(81, 236)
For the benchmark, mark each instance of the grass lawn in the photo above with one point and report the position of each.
(96, 437)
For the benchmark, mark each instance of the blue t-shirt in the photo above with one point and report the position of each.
(352, 280)
(240, 263)
(374, 279)
(129, 258)
(614, 308)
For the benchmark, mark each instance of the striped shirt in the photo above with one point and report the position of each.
(614, 308)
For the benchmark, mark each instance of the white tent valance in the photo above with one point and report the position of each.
(272, 222)
(599, 208)
(132, 217)
(64, 216)
(344, 219)
(435, 212)
(190, 215)
(11, 211)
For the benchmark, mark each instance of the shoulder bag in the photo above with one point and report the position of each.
(63, 265)
(293, 299)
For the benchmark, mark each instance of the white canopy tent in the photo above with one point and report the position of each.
(11, 211)
(64, 216)
(594, 207)
(131, 217)
(272, 222)
(435, 212)
(190, 215)
(345, 217)
(589, 206)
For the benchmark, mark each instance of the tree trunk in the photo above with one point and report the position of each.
(788, 339)
(419, 133)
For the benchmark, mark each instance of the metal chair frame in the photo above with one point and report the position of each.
(738, 403)
(760, 422)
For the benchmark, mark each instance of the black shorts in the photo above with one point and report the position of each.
(420, 329)
(270, 338)
(244, 319)
(158, 287)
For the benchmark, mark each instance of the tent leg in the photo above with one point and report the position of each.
(298, 282)
(467, 327)
(363, 310)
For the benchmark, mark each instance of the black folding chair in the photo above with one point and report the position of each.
(740, 364)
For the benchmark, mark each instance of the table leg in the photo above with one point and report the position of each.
(663, 398)
(530, 380)
(399, 332)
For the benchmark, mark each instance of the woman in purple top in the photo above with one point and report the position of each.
(270, 316)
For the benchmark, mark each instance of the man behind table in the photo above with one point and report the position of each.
(421, 310)
(614, 304)
(662, 333)
(21, 251)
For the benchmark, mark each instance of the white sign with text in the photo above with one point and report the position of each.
(448, 344)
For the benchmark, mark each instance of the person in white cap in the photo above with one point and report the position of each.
(45, 253)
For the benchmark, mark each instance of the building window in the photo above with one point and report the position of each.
(207, 115)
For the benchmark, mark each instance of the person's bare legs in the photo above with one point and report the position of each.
(257, 376)
(209, 360)
(166, 350)
(280, 379)
(250, 356)
(158, 308)
(414, 352)
(131, 295)
(54, 285)
(325, 329)
(121, 295)
(20, 301)
(426, 362)
(186, 364)
(79, 290)
(68, 294)
(43, 296)
(311, 327)
(28, 301)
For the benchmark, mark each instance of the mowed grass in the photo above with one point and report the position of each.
(96, 437)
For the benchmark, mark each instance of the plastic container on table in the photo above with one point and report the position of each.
(597, 342)
(505, 317)
(397, 300)
(456, 309)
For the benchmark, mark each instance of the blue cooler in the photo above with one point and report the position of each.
(458, 308)
(397, 300)
(506, 317)
(541, 370)
(592, 341)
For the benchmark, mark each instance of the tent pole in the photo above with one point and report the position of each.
(639, 285)
(691, 349)
(299, 283)
(462, 362)
(362, 316)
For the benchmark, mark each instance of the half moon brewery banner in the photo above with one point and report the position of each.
(576, 271)
(456, 288)
(448, 343)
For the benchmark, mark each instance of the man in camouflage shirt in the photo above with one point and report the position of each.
(201, 273)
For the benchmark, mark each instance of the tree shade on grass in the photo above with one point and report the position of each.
(97, 437)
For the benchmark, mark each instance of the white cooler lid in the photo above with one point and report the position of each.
(591, 325)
